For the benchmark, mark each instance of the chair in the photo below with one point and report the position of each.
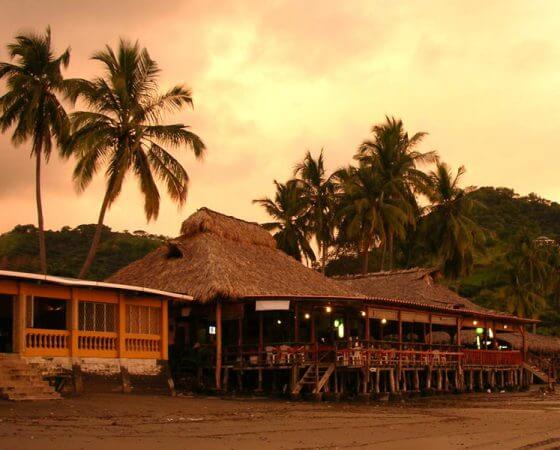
(270, 355)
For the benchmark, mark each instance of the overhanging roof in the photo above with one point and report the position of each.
(63, 281)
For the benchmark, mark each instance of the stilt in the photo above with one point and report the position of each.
(481, 379)
(471, 380)
(392, 380)
(439, 380)
(226, 379)
(428, 378)
(377, 377)
(416, 381)
(240, 380)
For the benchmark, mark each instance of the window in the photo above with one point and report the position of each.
(46, 313)
(143, 319)
(94, 316)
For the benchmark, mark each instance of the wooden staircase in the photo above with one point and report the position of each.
(315, 377)
(537, 372)
(19, 381)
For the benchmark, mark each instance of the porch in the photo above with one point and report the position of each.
(323, 344)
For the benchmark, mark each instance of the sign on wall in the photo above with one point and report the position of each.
(272, 305)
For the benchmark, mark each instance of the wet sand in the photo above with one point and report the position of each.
(115, 421)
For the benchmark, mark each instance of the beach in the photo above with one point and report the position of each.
(114, 421)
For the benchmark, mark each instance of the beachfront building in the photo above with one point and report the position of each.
(80, 334)
(260, 320)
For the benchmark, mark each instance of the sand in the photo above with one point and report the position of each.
(115, 421)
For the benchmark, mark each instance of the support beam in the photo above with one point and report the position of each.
(74, 322)
(164, 330)
(218, 373)
(296, 322)
(261, 338)
(400, 331)
(122, 326)
(21, 319)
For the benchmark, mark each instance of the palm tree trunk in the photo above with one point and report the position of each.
(365, 258)
(391, 251)
(40, 220)
(323, 256)
(96, 238)
(383, 256)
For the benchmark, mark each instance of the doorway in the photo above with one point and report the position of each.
(6, 323)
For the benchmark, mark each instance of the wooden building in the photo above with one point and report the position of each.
(262, 321)
(82, 330)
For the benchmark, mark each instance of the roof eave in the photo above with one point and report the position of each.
(87, 283)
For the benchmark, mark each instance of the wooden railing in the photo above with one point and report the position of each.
(96, 343)
(363, 353)
(492, 358)
(142, 345)
(39, 342)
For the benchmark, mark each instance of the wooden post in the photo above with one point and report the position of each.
(416, 381)
(400, 333)
(240, 336)
(296, 322)
(122, 326)
(392, 380)
(218, 345)
(459, 326)
(428, 378)
(368, 331)
(261, 337)
(164, 330)
(430, 340)
(74, 323)
(313, 336)
(20, 323)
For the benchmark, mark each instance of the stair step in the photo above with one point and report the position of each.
(20, 381)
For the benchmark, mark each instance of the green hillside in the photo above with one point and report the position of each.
(67, 249)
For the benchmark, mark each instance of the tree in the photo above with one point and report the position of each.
(318, 195)
(393, 154)
(288, 209)
(448, 229)
(365, 213)
(123, 132)
(31, 106)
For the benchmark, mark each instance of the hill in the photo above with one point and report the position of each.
(68, 247)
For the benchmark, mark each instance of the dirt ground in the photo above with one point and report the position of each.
(116, 421)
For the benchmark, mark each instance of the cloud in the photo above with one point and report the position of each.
(273, 79)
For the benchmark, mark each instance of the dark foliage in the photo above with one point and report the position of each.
(68, 248)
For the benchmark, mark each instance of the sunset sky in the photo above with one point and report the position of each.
(272, 79)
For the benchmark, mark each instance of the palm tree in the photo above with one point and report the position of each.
(394, 155)
(522, 298)
(318, 191)
(448, 228)
(31, 106)
(123, 132)
(364, 212)
(288, 209)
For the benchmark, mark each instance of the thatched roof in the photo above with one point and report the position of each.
(536, 343)
(416, 285)
(222, 256)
